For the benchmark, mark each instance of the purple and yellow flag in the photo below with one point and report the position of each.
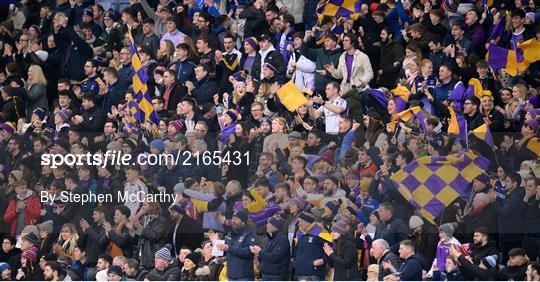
(457, 125)
(142, 96)
(498, 30)
(484, 133)
(531, 50)
(509, 60)
(407, 115)
(132, 118)
(339, 8)
(401, 94)
(316, 229)
(431, 183)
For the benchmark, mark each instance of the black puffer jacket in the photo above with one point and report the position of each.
(344, 260)
(151, 239)
(390, 53)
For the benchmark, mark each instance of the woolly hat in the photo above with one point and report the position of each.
(242, 215)
(307, 216)
(253, 42)
(49, 256)
(490, 261)
(16, 174)
(332, 206)
(37, 29)
(328, 156)
(194, 257)
(270, 67)
(31, 254)
(340, 227)
(532, 123)
(232, 115)
(448, 229)
(32, 239)
(277, 221)
(531, 16)
(4, 266)
(535, 101)
(164, 253)
(46, 226)
(533, 112)
(158, 144)
(30, 229)
(64, 115)
(8, 126)
(40, 113)
(115, 269)
(415, 221)
(450, 6)
(300, 202)
(177, 124)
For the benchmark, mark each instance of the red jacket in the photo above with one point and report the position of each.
(369, 170)
(32, 210)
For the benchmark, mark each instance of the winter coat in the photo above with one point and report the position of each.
(514, 273)
(428, 244)
(271, 56)
(395, 231)
(151, 239)
(309, 248)
(344, 259)
(480, 252)
(171, 273)
(204, 91)
(275, 255)
(37, 98)
(390, 53)
(239, 256)
(361, 71)
(393, 259)
(31, 211)
(93, 238)
(486, 218)
(76, 51)
(411, 269)
(473, 272)
(255, 22)
(511, 216)
(189, 233)
(455, 275)
(93, 120)
(210, 219)
(178, 92)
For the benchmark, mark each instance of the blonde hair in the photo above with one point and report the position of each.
(69, 245)
(38, 76)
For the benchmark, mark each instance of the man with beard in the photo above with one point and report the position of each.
(53, 271)
(90, 84)
(390, 62)
(237, 246)
(331, 190)
(186, 231)
(483, 247)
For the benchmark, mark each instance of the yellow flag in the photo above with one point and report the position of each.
(531, 50)
(291, 97)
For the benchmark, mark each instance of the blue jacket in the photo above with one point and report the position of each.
(204, 91)
(184, 71)
(512, 216)
(113, 95)
(124, 74)
(239, 256)
(275, 255)
(411, 269)
(90, 85)
(308, 249)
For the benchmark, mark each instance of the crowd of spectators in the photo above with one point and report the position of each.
(259, 191)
